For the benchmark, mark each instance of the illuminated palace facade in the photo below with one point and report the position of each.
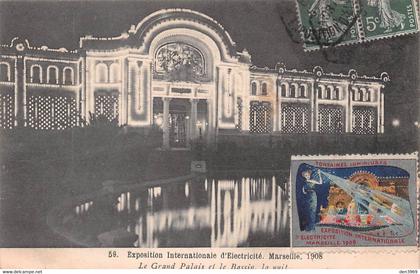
(179, 70)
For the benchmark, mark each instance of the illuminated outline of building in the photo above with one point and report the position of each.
(179, 69)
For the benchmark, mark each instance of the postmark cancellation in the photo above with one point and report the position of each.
(327, 23)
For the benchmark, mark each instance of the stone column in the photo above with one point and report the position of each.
(216, 103)
(124, 70)
(314, 108)
(149, 97)
(275, 107)
(210, 121)
(279, 112)
(245, 114)
(20, 92)
(193, 118)
(381, 111)
(350, 118)
(165, 124)
(220, 93)
(81, 80)
(349, 106)
(90, 87)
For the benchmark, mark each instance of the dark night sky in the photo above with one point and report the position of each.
(254, 25)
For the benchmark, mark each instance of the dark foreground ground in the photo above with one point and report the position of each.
(41, 169)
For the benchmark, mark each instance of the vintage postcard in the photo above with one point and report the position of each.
(163, 134)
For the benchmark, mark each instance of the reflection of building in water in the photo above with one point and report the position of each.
(179, 70)
(228, 213)
(240, 209)
(83, 208)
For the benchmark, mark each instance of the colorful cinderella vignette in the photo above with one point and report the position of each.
(354, 200)
(325, 23)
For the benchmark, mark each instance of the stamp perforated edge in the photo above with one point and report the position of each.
(362, 39)
(358, 249)
(315, 48)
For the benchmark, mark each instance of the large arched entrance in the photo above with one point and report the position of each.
(183, 85)
(187, 120)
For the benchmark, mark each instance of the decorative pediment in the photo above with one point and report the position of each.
(140, 37)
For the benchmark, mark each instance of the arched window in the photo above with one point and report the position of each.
(319, 91)
(114, 73)
(4, 72)
(68, 76)
(329, 92)
(264, 89)
(337, 95)
(52, 75)
(359, 96)
(293, 91)
(367, 97)
(101, 73)
(36, 74)
(354, 93)
(372, 95)
(302, 91)
(283, 90)
(253, 88)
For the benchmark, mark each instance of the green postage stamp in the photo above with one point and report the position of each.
(326, 23)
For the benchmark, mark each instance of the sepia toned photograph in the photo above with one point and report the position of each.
(155, 124)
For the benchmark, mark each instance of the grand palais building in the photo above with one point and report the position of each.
(179, 70)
